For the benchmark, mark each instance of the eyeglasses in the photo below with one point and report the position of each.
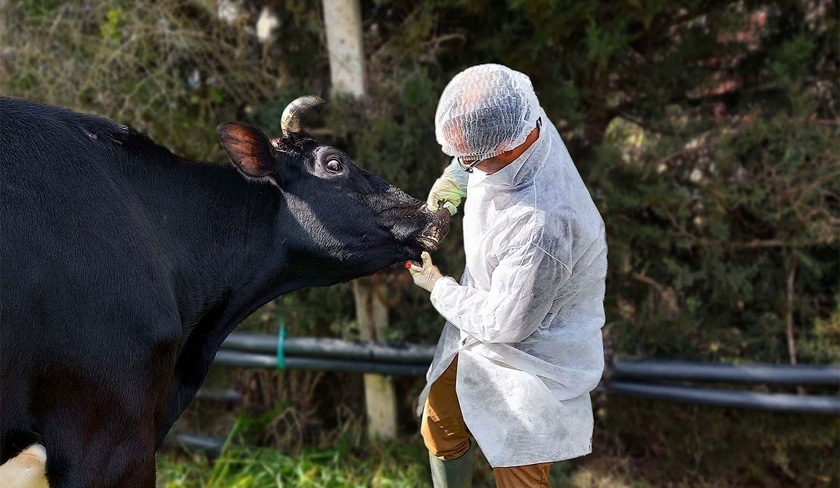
(469, 166)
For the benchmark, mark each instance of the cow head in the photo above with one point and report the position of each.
(348, 222)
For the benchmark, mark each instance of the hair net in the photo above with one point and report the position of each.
(484, 111)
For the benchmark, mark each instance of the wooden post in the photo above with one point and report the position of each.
(343, 25)
(380, 395)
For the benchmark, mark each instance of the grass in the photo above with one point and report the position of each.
(398, 464)
(637, 444)
(395, 464)
(404, 463)
(385, 465)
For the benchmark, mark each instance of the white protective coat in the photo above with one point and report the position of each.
(526, 319)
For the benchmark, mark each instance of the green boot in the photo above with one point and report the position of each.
(455, 473)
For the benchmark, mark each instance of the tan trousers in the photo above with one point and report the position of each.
(446, 435)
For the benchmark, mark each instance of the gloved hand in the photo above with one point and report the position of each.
(425, 277)
(450, 188)
(448, 191)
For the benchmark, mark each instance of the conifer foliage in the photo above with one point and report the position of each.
(707, 131)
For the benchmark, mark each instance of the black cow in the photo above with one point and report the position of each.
(123, 268)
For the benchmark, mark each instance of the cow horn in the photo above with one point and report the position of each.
(290, 121)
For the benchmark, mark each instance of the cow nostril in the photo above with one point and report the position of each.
(441, 221)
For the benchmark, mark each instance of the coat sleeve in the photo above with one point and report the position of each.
(523, 287)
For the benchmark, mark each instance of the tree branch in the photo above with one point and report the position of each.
(667, 293)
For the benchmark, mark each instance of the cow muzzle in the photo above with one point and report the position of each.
(435, 230)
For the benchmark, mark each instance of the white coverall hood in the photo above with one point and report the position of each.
(526, 318)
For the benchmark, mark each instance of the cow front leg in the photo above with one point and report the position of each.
(118, 456)
(191, 369)
(99, 429)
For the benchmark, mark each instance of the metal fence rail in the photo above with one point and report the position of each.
(772, 374)
(639, 378)
(329, 348)
(627, 377)
(252, 360)
(754, 400)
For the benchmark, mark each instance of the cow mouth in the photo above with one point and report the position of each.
(429, 243)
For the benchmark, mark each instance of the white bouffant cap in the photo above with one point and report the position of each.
(484, 111)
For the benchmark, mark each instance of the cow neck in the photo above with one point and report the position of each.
(224, 245)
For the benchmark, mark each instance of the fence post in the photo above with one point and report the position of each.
(380, 394)
(343, 22)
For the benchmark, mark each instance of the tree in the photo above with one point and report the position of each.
(705, 129)
(714, 89)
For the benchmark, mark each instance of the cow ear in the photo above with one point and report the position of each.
(248, 148)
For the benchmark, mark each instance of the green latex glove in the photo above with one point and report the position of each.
(450, 189)
(447, 190)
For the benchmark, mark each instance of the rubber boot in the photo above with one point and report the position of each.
(455, 473)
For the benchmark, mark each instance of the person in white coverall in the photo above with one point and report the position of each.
(522, 347)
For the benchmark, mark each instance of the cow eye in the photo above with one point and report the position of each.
(334, 165)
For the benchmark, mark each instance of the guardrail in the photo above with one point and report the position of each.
(655, 379)
(774, 374)
(250, 350)
(643, 378)
(329, 348)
